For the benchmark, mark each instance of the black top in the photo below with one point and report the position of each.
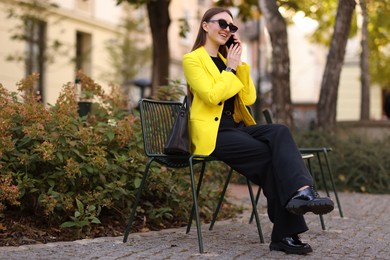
(228, 107)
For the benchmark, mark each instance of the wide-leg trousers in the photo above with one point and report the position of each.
(267, 155)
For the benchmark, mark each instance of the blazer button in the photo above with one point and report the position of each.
(216, 119)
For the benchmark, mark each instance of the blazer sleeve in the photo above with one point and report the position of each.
(248, 92)
(208, 83)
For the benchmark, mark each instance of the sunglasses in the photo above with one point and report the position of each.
(223, 24)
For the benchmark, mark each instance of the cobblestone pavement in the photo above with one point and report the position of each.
(363, 233)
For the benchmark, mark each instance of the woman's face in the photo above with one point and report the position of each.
(215, 33)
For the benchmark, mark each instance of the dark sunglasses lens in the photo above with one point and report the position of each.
(223, 24)
(233, 28)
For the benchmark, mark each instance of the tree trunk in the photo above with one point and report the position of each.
(364, 67)
(280, 75)
(158, 12)
(327, 104)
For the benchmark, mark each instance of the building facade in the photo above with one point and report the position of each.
(67, 38)
(75, 35)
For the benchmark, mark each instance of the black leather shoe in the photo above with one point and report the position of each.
(308, 200)
(291, 245)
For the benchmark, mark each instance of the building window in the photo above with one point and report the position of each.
(35, 51)
(83, 52)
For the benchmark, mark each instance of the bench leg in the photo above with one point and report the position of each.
(254, 209)
(135, 205)
(221, 199)
(195, 206)
(197, 195)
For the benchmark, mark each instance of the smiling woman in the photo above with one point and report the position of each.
(222, 126)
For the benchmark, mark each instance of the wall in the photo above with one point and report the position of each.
(62, 25)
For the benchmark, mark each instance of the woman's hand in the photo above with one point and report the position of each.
(233, 58)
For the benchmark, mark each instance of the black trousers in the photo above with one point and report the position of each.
(268, 156)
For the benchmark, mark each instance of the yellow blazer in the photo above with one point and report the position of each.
(210, 89)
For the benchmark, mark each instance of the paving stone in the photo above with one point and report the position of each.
(364, 233)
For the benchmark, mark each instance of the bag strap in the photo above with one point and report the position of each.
(184, 108)
(189, 96)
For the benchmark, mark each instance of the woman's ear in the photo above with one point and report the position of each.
(205, 27)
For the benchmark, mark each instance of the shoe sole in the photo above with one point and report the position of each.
(319, 206)
(287, 250)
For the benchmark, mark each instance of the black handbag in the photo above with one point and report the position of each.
(178, 142)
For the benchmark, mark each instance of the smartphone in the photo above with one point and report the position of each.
(230, 41)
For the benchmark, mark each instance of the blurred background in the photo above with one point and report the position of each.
(138, 45)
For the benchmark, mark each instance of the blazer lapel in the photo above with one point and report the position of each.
(208, 62)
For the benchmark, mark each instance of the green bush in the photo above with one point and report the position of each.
(73, 170)
(358, 164)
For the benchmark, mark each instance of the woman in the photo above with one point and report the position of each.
(221, 125)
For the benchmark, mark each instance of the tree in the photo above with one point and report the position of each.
(159, 21)
(124, 50)
(379, 41)
(364, 65)
(280, 75)
(128, 54)
(377, 37)
(379, 44)
(327, 104)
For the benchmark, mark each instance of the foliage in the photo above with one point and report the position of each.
(30, 13)
(324, 13)
(77, 171)
(83, 217)
(9, 193)
(159, 21)
(379, 41)
(128, 52)
(247, 9)
(358, 164)
(173, 91)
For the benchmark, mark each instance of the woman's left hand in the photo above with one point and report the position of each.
(233, 58)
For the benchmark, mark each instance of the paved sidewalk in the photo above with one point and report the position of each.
(363, 233)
